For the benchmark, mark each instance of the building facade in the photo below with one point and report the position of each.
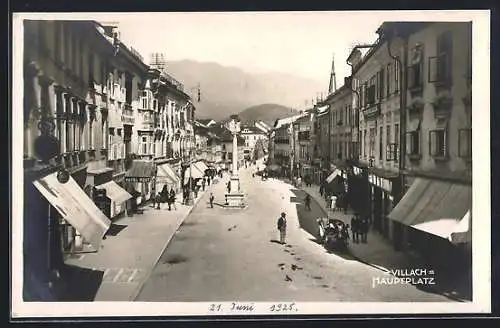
(84, 106)
(251, 134)
(438, 133)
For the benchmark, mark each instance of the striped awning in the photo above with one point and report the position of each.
(115, 192)
(76, 207)
(436, 207)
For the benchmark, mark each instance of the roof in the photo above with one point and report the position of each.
(286, 120)
(206, 121)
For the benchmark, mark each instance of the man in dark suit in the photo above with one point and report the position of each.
(282, 228)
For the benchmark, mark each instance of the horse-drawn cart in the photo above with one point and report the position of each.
(333, 233)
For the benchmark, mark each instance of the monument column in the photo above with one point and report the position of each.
(235, 154)
(234, 197)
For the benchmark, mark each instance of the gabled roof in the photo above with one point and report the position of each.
(206, 121)
(286, 120)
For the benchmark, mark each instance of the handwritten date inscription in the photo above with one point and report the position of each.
(283, 307)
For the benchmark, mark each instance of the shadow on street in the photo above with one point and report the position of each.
(456, 286)
(86, 281)
(115, 229)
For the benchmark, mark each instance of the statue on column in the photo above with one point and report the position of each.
(234, 197)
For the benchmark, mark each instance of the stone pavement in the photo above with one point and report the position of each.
(129, 252)
(379, 253)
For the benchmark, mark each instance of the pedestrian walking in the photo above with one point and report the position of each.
(171, 200)
(355, 229)
(307, 201)
(158, 201)
(364, 230)
(203, 182)
(229, 187)
(282, 228)
(321, 190)
(211, 199)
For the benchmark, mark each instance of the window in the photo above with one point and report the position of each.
(388, 85)
(396, 142)
(91, 135)
(415, 76)
(437, 140)
(118, 132)
(143, 145)
(396, 75)
(381, 88)
(440, 65)
(465, 143)
(372, 142)
(413, 143)
(91, 67)
(381, 144)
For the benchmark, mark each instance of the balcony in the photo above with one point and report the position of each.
(128, 115)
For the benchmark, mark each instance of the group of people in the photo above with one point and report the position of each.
(359, 229)
(165, 196)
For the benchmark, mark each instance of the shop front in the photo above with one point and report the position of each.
(358, 190)
(139, 181)
(166, 176)
(384, 190)
(115, 198)
(436, 220)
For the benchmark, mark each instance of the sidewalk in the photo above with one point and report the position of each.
(129, 252)
(379, 253)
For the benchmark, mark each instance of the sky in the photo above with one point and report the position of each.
(299, 43)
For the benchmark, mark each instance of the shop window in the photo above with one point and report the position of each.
(465, 143)
(437, 143)
(413, 143)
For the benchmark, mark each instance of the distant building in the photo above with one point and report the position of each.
(251, 134)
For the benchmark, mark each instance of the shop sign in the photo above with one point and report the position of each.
(137, 179)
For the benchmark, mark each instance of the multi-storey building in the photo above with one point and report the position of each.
(282, 147)
(65, 129)
(435, 212)
(202, 149)
(251, 134)
(376, 77)
(83, 95)
(302, 144)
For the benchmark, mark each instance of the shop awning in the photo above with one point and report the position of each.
(332, 175)
(194, 172)
(166, 175)
(115, 192)
(140, 171)
(201, 166)
(75, 207)
(436, 207)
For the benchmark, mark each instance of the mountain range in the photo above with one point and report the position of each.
(230, 90)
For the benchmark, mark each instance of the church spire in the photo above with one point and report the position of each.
(333, 81)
